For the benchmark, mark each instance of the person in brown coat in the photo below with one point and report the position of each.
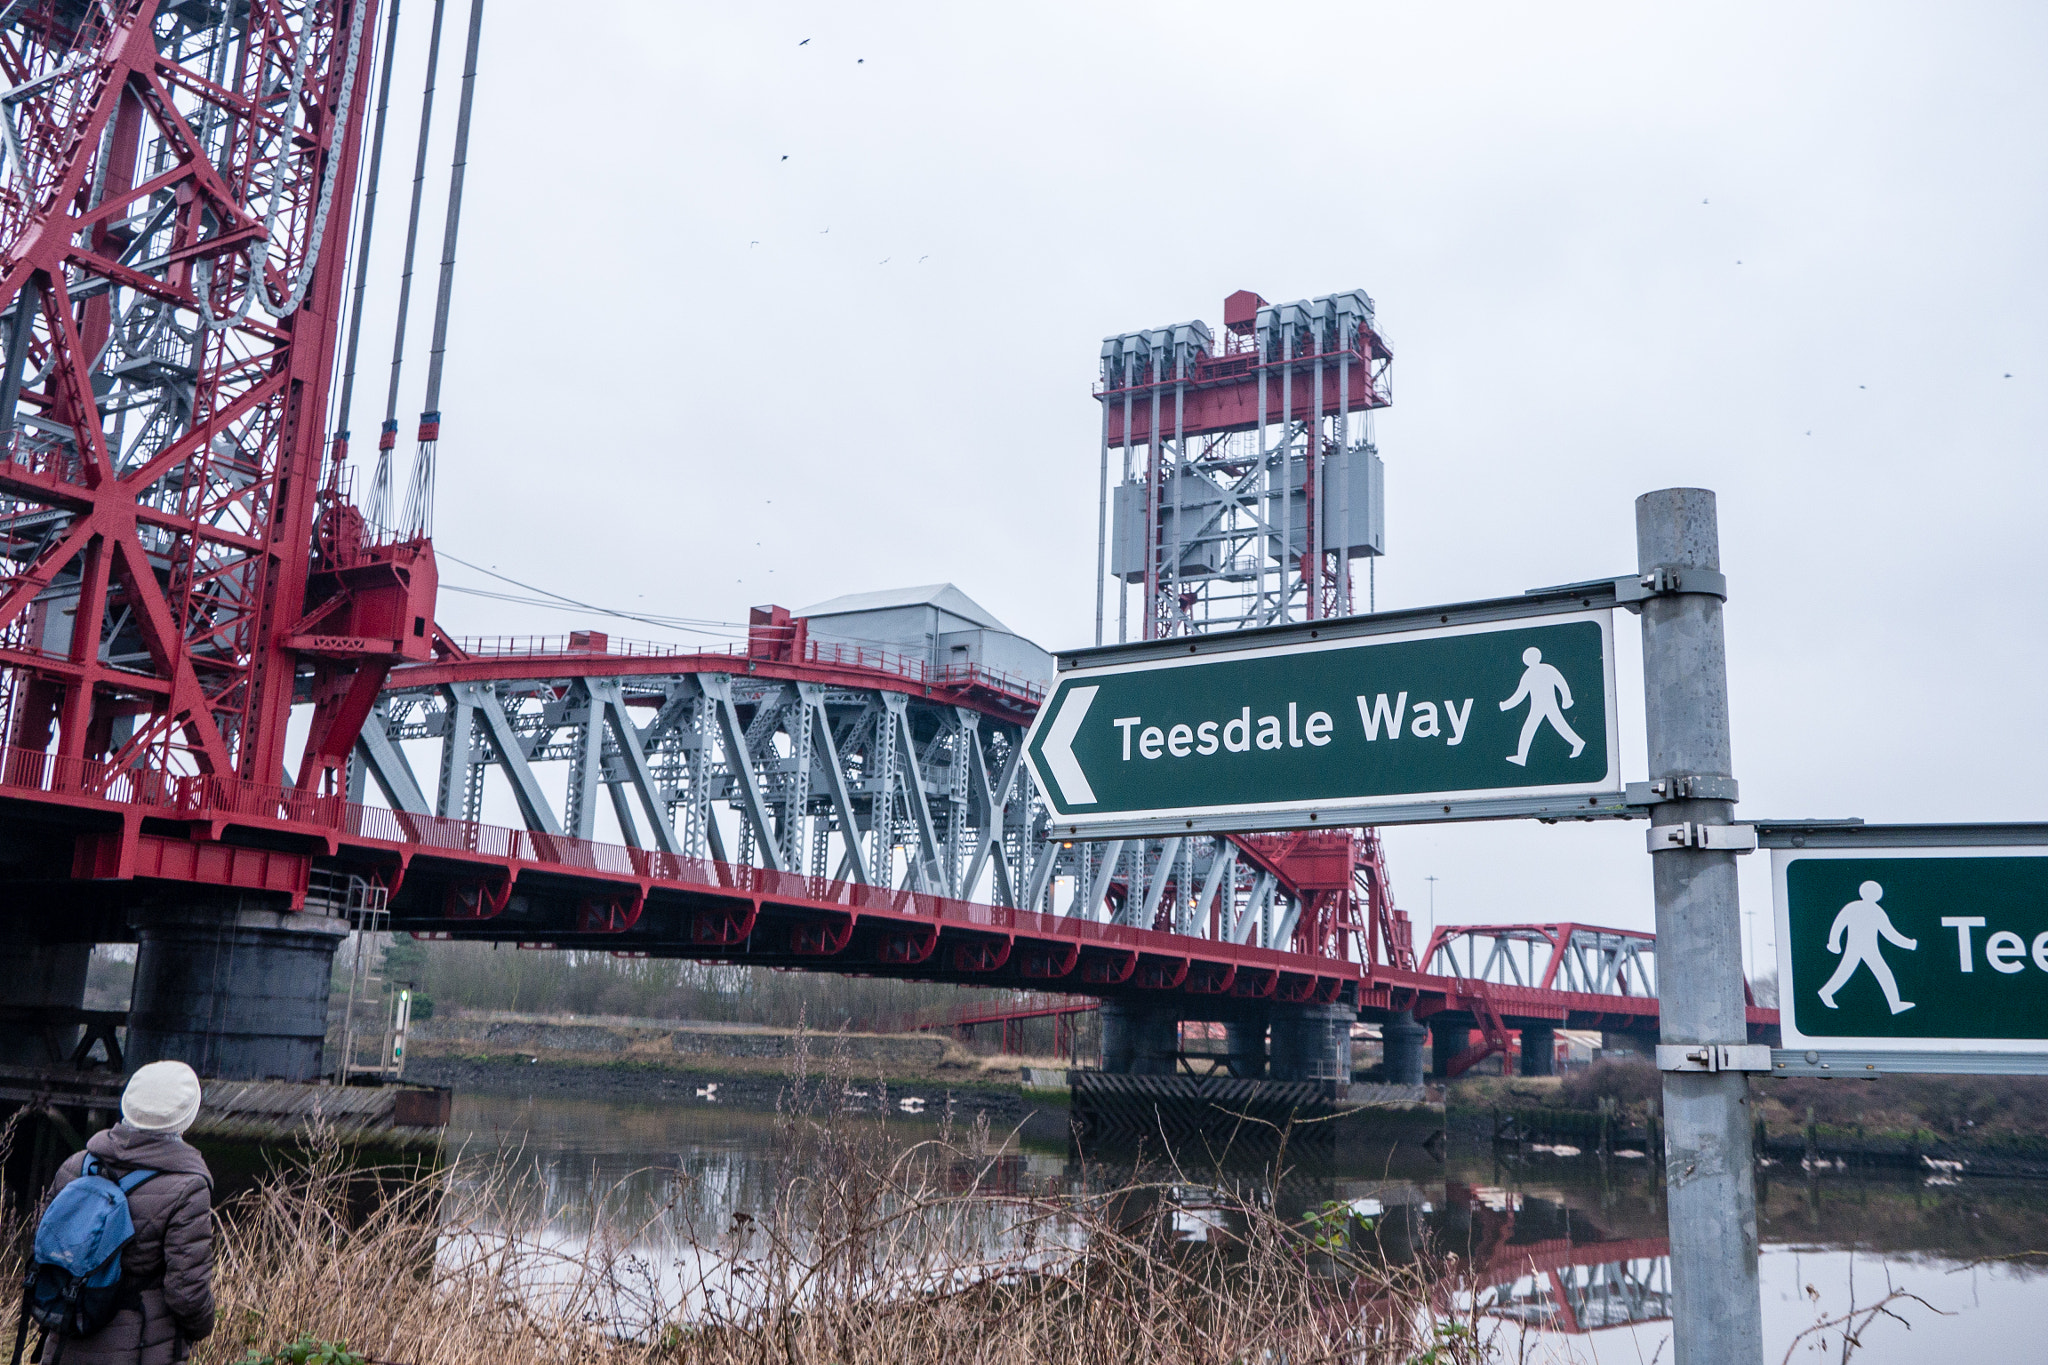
(170, 1260)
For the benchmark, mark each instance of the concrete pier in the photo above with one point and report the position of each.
(1312, 1042)
(1139, 1039)
(1446, 1041)
(1401, 1037)
(236, 993)
(41, 976)
(1539, 1050)
(1244, 1040)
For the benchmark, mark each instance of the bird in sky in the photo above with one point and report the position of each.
(753, 244)
(2008, 376)
(1703, 201)
(884, 261)
(860, 61)
(805, 43)
(922, 259)
(821, 234)
(785, 156)
(1863, 386)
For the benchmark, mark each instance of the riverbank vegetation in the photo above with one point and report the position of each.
(875, 1250)
(1999, 1113)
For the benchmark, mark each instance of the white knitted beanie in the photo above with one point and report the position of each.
(162, 1097)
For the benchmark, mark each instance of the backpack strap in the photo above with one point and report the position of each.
(134, 1178)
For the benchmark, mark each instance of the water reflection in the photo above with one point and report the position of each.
(1563, 1249)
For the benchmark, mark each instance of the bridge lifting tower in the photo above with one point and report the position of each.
(179, 563)
(1250, 478)
(1249, 483)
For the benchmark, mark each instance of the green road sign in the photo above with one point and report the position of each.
(1913, 949)
(1490, 719)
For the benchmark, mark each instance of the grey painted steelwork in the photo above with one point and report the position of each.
(775, 774)
(1710, 1181)
(1595, 961)
(1536, 602)
(239, 994)
(1831, 1064)
(825, 780)
(1208, 525)
(1856, 834)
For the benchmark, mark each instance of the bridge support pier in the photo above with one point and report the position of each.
(1244, 1040)
(1539, 1050)
(1401, 1041)
(1139, 1039)
(41, 976)
(234, 992)
(1312, 1042)
(1446, 1041)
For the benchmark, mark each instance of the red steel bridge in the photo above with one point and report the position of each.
(182, 565)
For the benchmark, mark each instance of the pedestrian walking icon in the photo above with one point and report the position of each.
(1549, 696)
(1864, 922)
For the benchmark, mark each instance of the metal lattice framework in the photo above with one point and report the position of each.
(842, 765)
(1249, 472)
(1230, 451)
(1567, 957)
(174, 211)
(839, 764)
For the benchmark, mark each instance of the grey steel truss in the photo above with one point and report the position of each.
(822, 779)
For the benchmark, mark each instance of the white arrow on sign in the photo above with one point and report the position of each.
(1059, 747)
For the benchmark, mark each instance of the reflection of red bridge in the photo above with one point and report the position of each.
(1565, 1286)
(1567, 1276)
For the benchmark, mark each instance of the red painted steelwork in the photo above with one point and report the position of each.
(459, 878)
(991, 693)
(1223, 394)
(204, 544)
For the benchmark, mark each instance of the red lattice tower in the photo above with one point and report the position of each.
(173, 240)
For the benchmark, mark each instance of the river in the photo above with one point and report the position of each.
(1573, 1249)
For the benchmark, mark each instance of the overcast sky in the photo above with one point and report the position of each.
(744, 319)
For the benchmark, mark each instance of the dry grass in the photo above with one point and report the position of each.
(872, 1251)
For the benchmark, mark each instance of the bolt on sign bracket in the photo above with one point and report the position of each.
(1682, 787)
(1691, 834)
(1709, 1057)
(1668, 581)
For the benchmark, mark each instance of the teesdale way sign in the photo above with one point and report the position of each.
(1504, 717)
(1914, 949)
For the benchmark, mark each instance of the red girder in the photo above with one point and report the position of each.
(468, 874)
(824, 664)
(1223, 394)
(203, 544)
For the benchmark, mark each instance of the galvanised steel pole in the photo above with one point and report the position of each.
(1710, 1183)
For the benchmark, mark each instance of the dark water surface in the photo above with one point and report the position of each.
(1572, 1248)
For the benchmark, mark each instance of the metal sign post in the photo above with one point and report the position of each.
(1717, 1314)
(1477, 711)
(1911, 948)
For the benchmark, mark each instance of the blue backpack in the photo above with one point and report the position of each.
(74, 1283)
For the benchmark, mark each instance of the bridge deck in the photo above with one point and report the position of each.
(459, 879)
